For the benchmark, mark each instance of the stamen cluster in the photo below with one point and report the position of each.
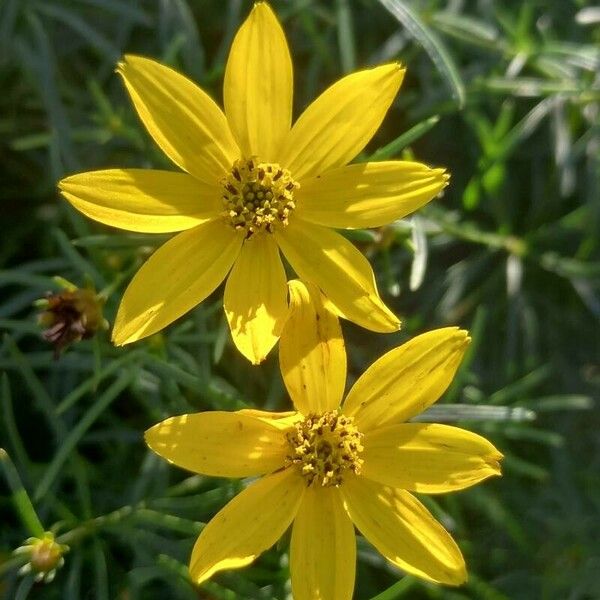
(324, 447)
(258, 196)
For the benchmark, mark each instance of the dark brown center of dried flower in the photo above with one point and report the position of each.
(258, 196)
(324, 447)
(71, 316)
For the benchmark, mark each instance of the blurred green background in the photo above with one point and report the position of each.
(504, 94)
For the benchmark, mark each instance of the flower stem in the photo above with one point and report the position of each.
(470, 412)
(20, 497)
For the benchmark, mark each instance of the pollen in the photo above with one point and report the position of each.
(258, 196)
(324, 447)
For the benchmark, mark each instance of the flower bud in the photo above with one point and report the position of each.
(45, 557)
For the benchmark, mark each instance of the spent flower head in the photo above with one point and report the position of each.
(329, 466)
(44, 557)
(253, 186)
(71, 315)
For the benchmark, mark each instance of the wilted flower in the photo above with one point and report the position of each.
(71, 315)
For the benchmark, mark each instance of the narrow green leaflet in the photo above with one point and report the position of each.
(402, 141)
(431, 44)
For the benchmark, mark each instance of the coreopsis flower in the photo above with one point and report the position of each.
(329, 466)
(71, 315)
(254, 185)
(44, 557)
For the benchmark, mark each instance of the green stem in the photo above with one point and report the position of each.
(20, 497)
(474, 412)
(397, 590)
(93, 525)
(408, 137)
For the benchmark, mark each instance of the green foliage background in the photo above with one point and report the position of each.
(505, 94)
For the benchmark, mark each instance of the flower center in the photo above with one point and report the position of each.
(46, 556)
(324, 446)
(258, 196)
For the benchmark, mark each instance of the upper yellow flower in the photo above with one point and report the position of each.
(254, 185)
(327, 468)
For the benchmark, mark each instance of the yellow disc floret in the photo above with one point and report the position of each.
(324, 447)
(258, 196)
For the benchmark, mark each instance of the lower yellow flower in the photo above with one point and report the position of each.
(326, 469)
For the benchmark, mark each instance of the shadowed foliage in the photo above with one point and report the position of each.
(505, 95)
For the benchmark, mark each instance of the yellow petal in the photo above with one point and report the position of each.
(281, 420)
(250, 524)
(406, 380)
(404, 531)
(312, 356)
(183, 120)
(179, 275)
(340, 122)
(323, 548)
(369, 194)
(329, 261)
(142, 199)
(258, 85)
(428, 458)
(255, 298)
(220, 444)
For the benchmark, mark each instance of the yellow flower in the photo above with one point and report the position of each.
(327, 469)
(45, 557)
(254, 185)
